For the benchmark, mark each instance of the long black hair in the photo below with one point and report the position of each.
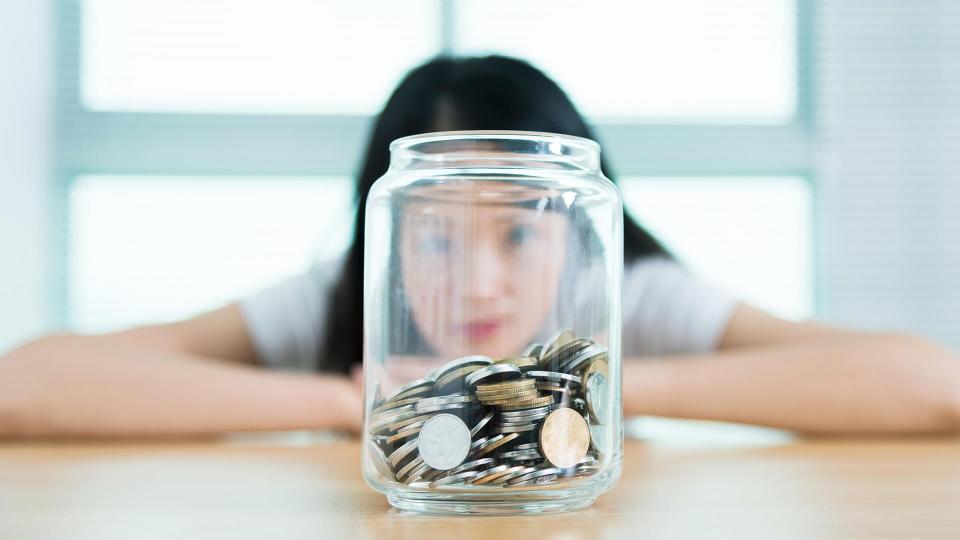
(492, 92)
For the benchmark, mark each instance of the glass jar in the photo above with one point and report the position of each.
(492, 279)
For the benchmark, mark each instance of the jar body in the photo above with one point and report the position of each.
(492, 318)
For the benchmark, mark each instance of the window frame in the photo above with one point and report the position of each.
(93, 142)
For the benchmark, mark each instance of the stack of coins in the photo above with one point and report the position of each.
(535, 419)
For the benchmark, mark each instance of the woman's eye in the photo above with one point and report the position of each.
(435, 243)
(520, 235)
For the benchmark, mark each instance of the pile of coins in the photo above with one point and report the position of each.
(539, 418)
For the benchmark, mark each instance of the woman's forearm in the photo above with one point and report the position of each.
(855, 384)
(73, 385)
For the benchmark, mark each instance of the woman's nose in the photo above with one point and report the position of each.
(485, 273)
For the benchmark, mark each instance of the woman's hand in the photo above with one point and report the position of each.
(804, 377)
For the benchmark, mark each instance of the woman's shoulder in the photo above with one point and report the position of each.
(669, 310)
(651, 273)
(285, 319)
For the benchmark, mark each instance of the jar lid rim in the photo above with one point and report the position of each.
(495, 134)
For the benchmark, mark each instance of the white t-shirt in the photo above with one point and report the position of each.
(665, 311)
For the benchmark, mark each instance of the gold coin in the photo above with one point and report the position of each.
(397, 425)
(562, 338)
(506, 393)
(498, 444)
(414, 463)
(564, 438)
(519, 361)
(412, 392)
(456, 374)
(560, 355)
(516, 398)
(508, 389)
(526, 404)
(494, 476)
(509, 385)
(403, 434)
(395, 404)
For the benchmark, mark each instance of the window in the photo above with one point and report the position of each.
(250, 56)
(213, 144)
(153, 248)
(700, 60)
(750, 236)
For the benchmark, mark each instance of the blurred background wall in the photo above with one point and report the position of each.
(161, 158)
(26, 140)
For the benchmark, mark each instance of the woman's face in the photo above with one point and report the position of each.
(480, 278)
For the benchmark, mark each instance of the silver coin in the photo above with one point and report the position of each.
(484, 443)
(519, 421)
(506, 423)
(598, 438)
(440, 408)
(478, 443)
(470, 465)
(532, 459)
(515, 429)
(418, 473)
(527, 461)
(526, 413)
(586, 469)
(397, 456)
(428, 475)
(563, 353)
(554, 376)
(580, 359)
(444, 442)
(482, 423)
(533, 351)
(527, 446)
(485, 473)
(402, 424)
(589, 459)
(536, 477)
(379, 460)
(520, 454)
(413, 464)
(378, 425)
(597, 398)
(465, 361)
(406, 432)
(558, 340)
(426, 383)
(387, 413)
(495, 372)
(427, 403)
(503, 479)
(396, 404)
(453, 478)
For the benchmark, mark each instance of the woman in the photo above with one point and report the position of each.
(706, 355)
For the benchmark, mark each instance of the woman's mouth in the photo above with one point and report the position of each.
(481, 329)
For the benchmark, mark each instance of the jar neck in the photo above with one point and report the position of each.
(495, 150)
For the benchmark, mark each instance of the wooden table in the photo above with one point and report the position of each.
(309, 489)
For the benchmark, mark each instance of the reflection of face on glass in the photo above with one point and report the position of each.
(480, 278)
